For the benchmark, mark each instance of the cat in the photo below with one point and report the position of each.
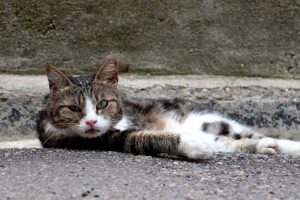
(89, 112)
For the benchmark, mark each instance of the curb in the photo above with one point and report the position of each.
(274, 111)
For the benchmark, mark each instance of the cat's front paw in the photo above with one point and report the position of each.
(267, 146)
(193, 147)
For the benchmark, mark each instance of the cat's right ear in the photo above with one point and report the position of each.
(108, 73)
(57, 79)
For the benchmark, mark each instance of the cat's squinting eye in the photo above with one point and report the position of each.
(102, 104)
(74, 108)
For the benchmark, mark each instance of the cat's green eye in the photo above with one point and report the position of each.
(102, 104)
(74, 108)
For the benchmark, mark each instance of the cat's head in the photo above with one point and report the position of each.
(87, 106)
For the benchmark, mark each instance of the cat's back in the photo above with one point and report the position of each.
(161, 114)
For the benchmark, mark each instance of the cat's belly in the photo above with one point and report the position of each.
(170, 122)
(192, 123)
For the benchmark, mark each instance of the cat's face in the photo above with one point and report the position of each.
(85, 106)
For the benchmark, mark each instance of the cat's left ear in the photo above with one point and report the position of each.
(108, 73)
(56, 78)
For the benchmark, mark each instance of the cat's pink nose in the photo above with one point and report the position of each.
(91, 123)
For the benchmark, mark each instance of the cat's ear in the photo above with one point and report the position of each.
(108, 73)
(57, 79)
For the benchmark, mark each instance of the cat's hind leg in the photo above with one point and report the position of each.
(246, 145)
(264, 145)
(237, 137)
(218, 125)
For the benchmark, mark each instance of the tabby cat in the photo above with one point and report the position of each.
(88, 112)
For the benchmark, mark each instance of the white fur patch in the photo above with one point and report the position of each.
(123, 124)
(194, 121)
(191, 128)
(289, 146)
(193, 147)
(267, 146)
(101, 125)
(90, 110)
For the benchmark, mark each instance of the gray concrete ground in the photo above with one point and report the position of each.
(59, 174)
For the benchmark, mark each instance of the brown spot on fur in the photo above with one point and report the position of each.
(160, 122)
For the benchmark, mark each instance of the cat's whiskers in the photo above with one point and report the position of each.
(49, 136)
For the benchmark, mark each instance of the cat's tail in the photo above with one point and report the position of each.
(289, 146)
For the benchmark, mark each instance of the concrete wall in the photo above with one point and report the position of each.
(228, 37)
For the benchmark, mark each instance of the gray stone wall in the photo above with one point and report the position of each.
(230, 37)
(274, 112)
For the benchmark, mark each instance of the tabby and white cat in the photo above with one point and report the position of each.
(88, 112)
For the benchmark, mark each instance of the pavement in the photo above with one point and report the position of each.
(29, 172)
(61, 174)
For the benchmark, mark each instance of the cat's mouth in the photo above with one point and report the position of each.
(92, 131)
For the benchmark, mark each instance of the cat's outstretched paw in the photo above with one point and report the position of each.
(255, 135)
(267, 146)
(194, 148)
(248, 134)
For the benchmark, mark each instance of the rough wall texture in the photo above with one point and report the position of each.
(230, 37)
(275, 112)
